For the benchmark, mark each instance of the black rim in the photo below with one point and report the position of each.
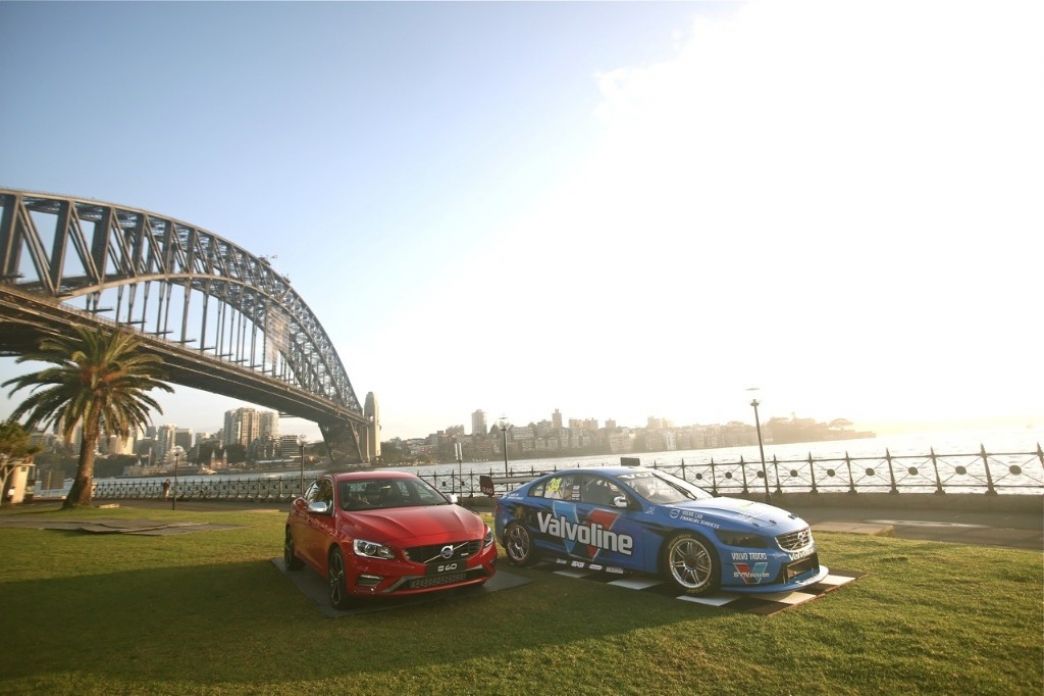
(288, 548)
(336, 578)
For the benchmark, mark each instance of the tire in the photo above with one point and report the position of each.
(337, 579)
(691, 565)
(290, 558)
(518, 544)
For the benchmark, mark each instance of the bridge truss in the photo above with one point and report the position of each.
(222, 318)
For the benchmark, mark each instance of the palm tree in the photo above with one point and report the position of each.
(100, 380)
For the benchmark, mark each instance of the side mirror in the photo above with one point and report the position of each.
(454, 498)
(620, 501)
(319, 507)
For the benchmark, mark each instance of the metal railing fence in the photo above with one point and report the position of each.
(979, 472)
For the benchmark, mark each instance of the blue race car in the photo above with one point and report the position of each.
(618, 519)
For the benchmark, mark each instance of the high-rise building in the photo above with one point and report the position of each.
(269, 425)
(183, 438)
(556, 420)
(165, 435)
(478, 423)
(373, 431)
(242, 426)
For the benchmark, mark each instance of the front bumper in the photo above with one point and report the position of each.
(376, 577)
(789, 575)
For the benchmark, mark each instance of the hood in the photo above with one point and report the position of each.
(773, 519)
(415, 526)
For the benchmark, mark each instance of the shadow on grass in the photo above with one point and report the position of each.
(246, 623)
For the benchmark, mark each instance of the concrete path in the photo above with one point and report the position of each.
(1024, 530)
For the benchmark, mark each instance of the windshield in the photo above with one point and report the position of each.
(374, 494)
(662, 489)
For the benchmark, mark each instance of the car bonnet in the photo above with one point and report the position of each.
(417, 525)
(748, 512)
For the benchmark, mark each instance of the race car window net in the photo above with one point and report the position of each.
(374, 494)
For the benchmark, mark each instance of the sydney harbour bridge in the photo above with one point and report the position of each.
(222, 319)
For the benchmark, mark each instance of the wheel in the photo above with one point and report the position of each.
(519, 545)
(336, 576)
(290, 559)
(691, 564)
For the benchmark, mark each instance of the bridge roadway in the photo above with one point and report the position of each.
(26, 318)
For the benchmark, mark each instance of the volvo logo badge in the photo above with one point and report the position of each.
(447, 551)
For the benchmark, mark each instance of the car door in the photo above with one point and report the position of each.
(609, 526)
(319, 527)
(551, 514)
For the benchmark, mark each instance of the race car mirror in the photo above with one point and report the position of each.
(620, 501)
(454, 498)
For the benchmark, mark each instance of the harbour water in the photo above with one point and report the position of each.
(998, 442)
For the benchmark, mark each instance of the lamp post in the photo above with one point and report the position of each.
(503, 424)
(761, 448)
(300, 446)
(174, 498)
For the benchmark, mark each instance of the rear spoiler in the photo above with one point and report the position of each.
(487, 484)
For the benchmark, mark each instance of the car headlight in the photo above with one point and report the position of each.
(371, 549)
(489, 537)
(742, 539)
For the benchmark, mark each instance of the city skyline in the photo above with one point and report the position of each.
(623, 209)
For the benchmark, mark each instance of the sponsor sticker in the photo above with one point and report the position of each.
(798, 555)
(749, 556)
(751, 574)
(593, 534)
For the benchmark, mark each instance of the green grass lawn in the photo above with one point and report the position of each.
(209, 613)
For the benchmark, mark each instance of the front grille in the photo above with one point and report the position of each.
(795, 541)
(428, 554)
(801, 567)
(436, 580)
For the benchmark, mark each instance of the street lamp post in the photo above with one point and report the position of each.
(300, 446)
(503, 424)
(761, 449)
(174, 498)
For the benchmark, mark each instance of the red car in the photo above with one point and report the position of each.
(386, 534)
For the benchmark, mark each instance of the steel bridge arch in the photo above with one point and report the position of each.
(60, 250)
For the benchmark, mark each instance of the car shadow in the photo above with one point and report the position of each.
(245, 623)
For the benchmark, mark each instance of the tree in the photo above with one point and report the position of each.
(14, 449)
(100, 380)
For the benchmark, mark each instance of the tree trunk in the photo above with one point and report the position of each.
(81, 491)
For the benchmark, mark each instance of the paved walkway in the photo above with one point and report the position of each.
(1024, 530)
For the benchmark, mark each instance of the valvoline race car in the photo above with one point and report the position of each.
(618, 519)
(386, 534)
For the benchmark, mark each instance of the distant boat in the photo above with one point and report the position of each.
(206, 471)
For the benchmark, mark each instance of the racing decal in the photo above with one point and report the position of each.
(751, 574)
(798, 555)
(749, 556)
(686, 515)
(594, 567)
(594, 532)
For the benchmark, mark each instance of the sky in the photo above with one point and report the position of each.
(619, 210)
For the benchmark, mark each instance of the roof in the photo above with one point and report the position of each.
(371, 474)
(604, 470)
